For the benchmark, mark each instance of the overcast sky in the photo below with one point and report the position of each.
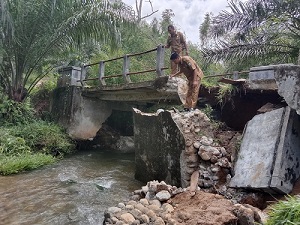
(189, 14)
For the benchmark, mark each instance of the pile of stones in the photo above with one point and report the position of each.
(202, 153)
(148, 206)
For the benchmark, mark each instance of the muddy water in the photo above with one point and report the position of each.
(76, 190)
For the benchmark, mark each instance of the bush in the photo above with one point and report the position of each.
(30, 146)
(285, 212)
(11, 145)
(44, 137)
(40, 98)
(15, 113)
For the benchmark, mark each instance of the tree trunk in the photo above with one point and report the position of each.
(139, 9)
(19, 94)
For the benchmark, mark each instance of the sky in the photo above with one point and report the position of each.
(189, 14)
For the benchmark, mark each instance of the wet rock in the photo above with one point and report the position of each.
(159, 221)
(145, 219)
(168, 208)
(205, 156)
(155, 202)
(121, 205)
(127, 218)
(145, 189)
(163, 195)
(144, 201)
(197, 144)
(129, 207)
(113, 210)
(135, 197)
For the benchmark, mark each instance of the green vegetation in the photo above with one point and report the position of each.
(225, 93)
(24, 161)
(253, 33)
(39, 35)
(13, 113)
(285, 212)
(27, 142)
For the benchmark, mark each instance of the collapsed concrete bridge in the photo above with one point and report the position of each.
(271, 140)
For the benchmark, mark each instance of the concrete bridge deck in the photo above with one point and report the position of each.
(147, 91)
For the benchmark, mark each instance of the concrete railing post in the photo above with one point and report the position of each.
(160, 60)
(101, 73)
(82, 75)
(126, 65)
(235, 75)
(69, 76)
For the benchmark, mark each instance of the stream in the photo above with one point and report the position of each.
(75, 190)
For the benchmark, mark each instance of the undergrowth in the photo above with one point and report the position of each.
(285, 212)
(27, 142)
(10, 164)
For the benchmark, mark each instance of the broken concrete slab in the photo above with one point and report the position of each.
(288, 81)
(287, 164)
(262, 164)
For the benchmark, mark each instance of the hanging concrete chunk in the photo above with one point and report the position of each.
(288, 81)
(269, 155)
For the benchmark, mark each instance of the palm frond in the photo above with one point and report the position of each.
(227, 51)
(33, 30)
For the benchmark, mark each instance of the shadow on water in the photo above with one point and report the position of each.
(76, 190)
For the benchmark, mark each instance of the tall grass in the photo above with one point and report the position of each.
(27, 142)
(285, 212)
(24, 161)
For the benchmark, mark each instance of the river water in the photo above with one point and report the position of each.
(75, 190)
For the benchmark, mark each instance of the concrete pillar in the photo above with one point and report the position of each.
(160, 60)
(159, 145)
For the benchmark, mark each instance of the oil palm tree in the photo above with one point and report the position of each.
(266, 30)
(33, 31)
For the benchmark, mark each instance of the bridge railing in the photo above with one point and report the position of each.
(159, 67)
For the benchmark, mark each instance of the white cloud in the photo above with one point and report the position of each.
(189, 14)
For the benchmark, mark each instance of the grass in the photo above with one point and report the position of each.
(285, 212)
(25, 161)
(29, 146)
